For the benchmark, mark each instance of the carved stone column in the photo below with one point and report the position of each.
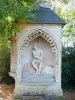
(13, 56)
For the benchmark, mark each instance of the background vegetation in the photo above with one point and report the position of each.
(68, 67)
(19, 11)
(68, 42)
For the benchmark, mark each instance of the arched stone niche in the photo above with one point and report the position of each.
(50, 50)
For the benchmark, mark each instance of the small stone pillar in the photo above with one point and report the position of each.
(13, 57)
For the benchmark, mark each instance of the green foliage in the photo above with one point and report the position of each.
(68, 67)
(4, 58)
(61, 98)
(69, 30)
(69, 16)
(5, 62)
(64, 1)
(8, 80)
(13, 12)
(68, 52)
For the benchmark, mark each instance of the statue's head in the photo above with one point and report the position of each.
(35, 46)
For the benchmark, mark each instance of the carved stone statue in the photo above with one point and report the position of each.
(37, 58)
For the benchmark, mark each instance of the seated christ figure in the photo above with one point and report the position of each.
(37, 58)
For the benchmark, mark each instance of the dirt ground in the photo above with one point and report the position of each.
(70, 95)
(6, 92)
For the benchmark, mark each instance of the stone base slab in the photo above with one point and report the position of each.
(38, 88)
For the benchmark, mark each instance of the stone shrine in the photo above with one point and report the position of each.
(36, 55)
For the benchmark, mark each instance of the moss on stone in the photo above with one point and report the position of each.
(38, 98)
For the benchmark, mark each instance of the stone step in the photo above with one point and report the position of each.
(38, 98)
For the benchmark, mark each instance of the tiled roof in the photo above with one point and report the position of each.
(45, 15)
